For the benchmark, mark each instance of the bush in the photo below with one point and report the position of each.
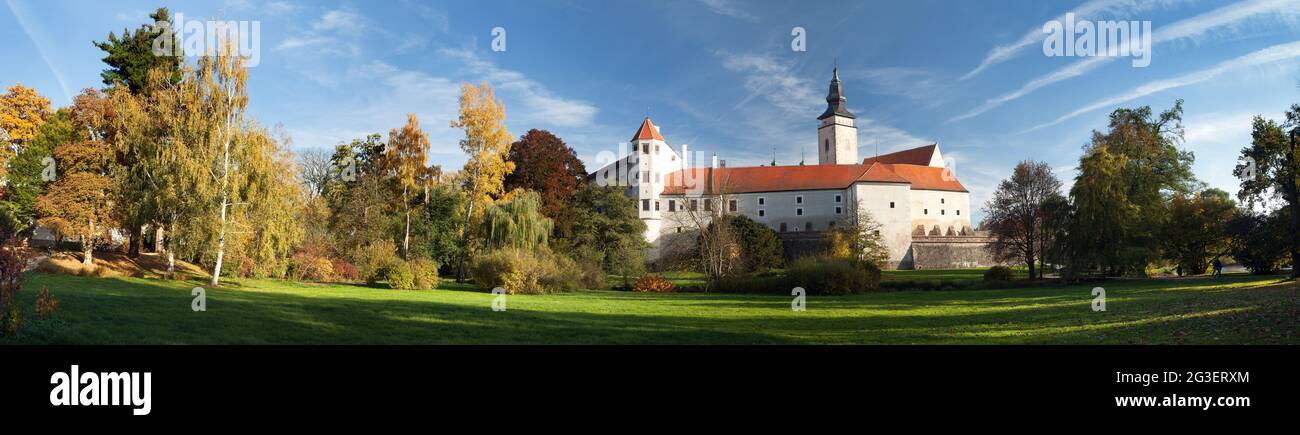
(833, 276)
(998, 274)
(46, 304)
(345, 270)
(592, 276)
(520, 271)
(425, 272)
(653, 284)
(757, 284)
(307, 267)
(400, 276)
(373, 259)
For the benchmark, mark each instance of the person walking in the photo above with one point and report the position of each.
(1218, 267)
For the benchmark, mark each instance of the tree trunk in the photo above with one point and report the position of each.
(87, 252)
(464, 232)
(158, 235)
(137, 240)
(406, 238)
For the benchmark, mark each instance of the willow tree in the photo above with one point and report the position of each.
(487, 144)
(517, 223)
(407, 151)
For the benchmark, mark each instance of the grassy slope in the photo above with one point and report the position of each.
(1236, 309)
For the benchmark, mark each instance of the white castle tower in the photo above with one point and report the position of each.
(837, 137)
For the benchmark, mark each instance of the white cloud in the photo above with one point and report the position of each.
(1034, 37)
(1262, 57)
(539, 103)
(729, 8)
(1213, 23)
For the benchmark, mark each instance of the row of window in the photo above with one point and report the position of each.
(941, 212)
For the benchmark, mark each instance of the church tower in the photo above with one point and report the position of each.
(837, 137)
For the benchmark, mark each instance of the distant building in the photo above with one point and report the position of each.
(909, 193)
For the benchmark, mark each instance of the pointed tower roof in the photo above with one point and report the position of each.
(835, 101)
(647, 131)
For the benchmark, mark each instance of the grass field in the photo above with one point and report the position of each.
(1233, 309)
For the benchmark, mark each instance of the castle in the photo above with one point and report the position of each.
(919, 204)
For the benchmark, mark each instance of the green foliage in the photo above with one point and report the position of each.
(1270, 166)
(517, 223)
(24, 180)
(609, 232)
(435, 233)
(760, 248)
(131, 58)
(1120, 197)
(1197, 230)
(425, 273)
(1259, 241)
(400, 276)
(998, 274)
(525, 272)
(833, 275)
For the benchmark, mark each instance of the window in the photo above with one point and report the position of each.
(798, 211)
(645, 204)
(656, 149)
(672, 205)
(708, 205)
(645, 177)
(645, 149)
(783, 227)
(891, 204)
(941, 200)
(839, 210)
(927, 211)
(826, 144)
(636, 147)
(679, 229)
(943, 212)
(762, 201)
(798, 199)
(958, 212)
(695, 204)
(762, 212)
(807, 226)
(838, 199)
(731, 205)
(656, 205)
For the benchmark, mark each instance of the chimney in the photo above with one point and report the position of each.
(715, 162)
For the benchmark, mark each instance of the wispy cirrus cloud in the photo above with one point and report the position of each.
(539, 103)
(1034, 37)
(730, 8)
(1266, 56)
(1225, 20)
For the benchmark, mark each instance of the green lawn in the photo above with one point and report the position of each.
(1234, 309)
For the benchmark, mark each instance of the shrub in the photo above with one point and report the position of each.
(997, 274)
(758, 284)
(400, 276)
(13, 258)
(653, 284)
(833, 276)
(592, 276)
(46, 304)
(373, 259)
(345, 270)
(520, 271)
(425, 272)
(307, 267)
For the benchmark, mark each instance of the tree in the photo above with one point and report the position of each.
(29, 169)
(1197, 230)
(516, 223)
(487, 144)
(407, 153)
(317, 170)
(1120, 197)
(1259, 241)
(1271, 166)
(760, 249)
(222, 79)
(609, 230)
(22, 112)
(131, 58)
(80, 203)
(1014, 216)
(544, 164)
(438, 228)
(360, 195)
(857, 236)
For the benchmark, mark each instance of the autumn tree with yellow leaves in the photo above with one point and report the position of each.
(22, 112)
(487, 144)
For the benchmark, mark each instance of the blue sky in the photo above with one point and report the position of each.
(720, 75)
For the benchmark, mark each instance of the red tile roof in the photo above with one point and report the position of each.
(647, 132)
(813, 177)
(915, 156)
